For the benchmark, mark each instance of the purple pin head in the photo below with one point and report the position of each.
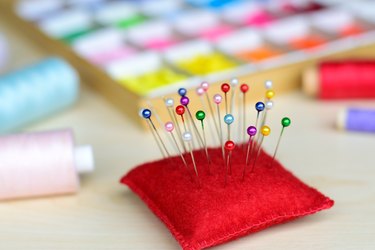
(251, 130)
(184, 100)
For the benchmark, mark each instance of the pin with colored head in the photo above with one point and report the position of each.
(146, 114)
(228, 119)
(270, 94)
(169, 127)
(265, 131)
(285, 122)
(200, 115)
(180, 110)
(233, 83)
(259, 107)
(268, 107)
(185, 102)
(244, 88)
(217, 100)
(169, 103)
(205, 86)
(229, 147)
(182, 92)
(187, 137)
(225, 87)
(268, 84)
(251, 131)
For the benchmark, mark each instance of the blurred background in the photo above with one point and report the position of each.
(90, 66)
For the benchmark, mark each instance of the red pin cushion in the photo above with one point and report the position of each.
(215, 212)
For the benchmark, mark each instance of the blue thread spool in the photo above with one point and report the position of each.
(37, 91)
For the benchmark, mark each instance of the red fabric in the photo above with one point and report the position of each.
(347, 79)
(216, 213)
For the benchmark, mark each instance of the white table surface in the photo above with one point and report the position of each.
(106, 215)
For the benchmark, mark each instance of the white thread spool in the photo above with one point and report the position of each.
(41, 164)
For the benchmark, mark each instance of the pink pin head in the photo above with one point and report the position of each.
(205, 86)
(200, 91)
(218, 98)
(169, 126)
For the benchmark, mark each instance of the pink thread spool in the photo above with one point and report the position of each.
(41, 164)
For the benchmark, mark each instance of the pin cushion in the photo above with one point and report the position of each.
(206, 211)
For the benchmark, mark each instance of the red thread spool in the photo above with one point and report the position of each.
(341, 79)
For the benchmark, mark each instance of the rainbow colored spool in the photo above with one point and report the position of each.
(35, 92)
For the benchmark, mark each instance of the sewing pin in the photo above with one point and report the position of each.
(268, 84)
(270, 94)
(169, 127)
(185, 102)
(265, 131)
(251, 131)
(259, 106)
(180, 110)
(285, 122)
(244, 88)
(218, 99)
(200, 92)
(205, 86)
(225, 87)
(228, 119)
(187, 137)
(169, 103)
(233, 84)
(146, 113)
(182, 92)
(229, 146)
(200, 115)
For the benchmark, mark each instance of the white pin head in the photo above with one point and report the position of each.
(269, 105)
(268, 84)
(169, 102)
(186, 136)
(234, 82)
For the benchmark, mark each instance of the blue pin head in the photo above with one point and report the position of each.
(182, 91)
(259, 106)
(228, 119)
(146, 113)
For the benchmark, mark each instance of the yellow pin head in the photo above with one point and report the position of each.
(270, 94)
(265, 130)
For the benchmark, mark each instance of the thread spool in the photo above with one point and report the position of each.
(36, 91)
(356, 119)
(340, 79)
(41, 164)
(3, 52)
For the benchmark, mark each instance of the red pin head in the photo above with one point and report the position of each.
(229, 145)
(225, 87)
(244, 88)
(180, 110)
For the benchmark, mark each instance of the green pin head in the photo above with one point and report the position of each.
(285, 122)
(200, 115)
